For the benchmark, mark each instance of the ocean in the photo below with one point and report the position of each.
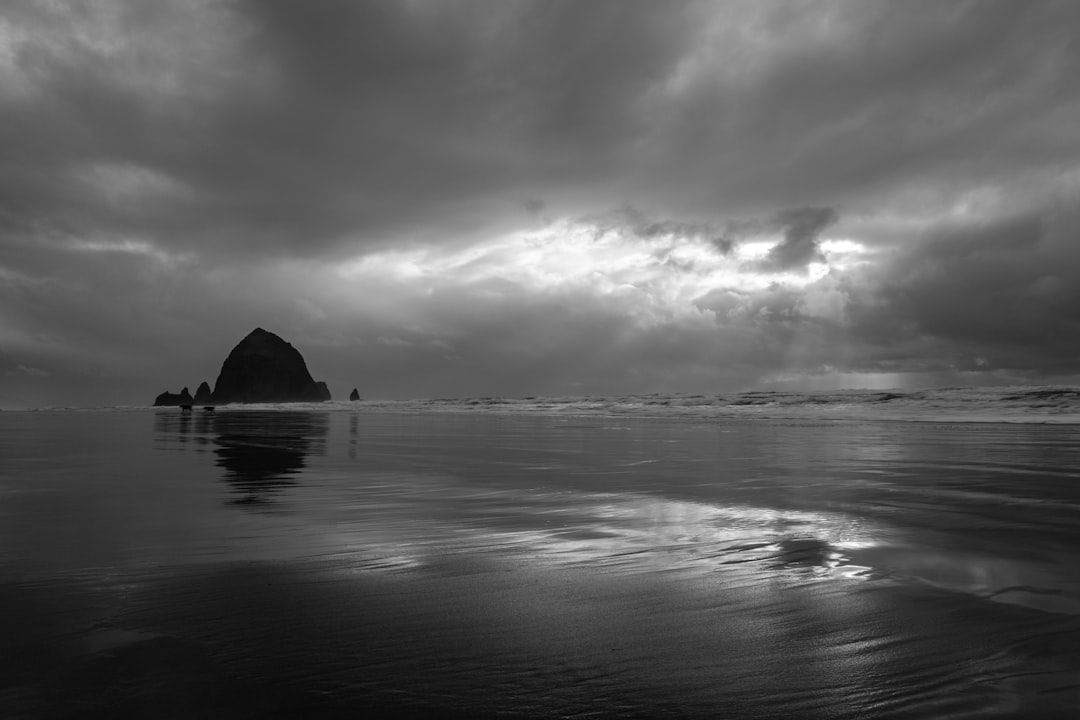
(858, 554)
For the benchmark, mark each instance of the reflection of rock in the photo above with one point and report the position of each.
(166, 399)
(262, 452)
(354, 426)
(265, 368)
(202, 394)
(354, 395)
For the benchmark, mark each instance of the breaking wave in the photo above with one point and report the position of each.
(1040, 404)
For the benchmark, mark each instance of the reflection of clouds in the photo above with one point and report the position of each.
(387, 529)
(1049, 584)
(757, 548)
(808, 552)
(654, 532)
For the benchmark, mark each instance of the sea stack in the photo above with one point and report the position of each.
(203, 394)
(265, 368)
(354, 395)
(168, 399)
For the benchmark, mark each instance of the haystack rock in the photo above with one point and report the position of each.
(203, 394)
(167, 399)
(265, 368)
(354, 395)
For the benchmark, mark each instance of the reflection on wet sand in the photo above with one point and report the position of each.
(353, 433)
(259, 452)
(529, 567)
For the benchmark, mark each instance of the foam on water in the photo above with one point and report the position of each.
(1019, 404)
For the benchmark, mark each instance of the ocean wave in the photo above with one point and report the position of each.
(1011, 404)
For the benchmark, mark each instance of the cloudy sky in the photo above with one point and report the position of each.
(538, 198)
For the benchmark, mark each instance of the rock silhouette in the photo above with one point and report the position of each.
(354, 395)
(265, 368)
(167, 399)
(203, 394)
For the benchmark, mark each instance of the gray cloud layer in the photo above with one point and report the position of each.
(799, 248)
(192, 169)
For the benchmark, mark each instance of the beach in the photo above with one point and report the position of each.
(281, 563)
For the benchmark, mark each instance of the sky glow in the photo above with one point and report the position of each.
(494, 197)
(656, 279)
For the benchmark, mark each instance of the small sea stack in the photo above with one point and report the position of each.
(168, 399)
(203, 394)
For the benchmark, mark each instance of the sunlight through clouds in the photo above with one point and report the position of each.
(539, 196)
(664, 271)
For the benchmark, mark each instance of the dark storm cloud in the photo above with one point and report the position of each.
(299, 127)
(331, 121)
(188, 169)
(632, 221)
(1005, 291)
(995, 295)
(799, 247)
(860, 99)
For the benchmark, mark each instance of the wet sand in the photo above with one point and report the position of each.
(306, 564)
